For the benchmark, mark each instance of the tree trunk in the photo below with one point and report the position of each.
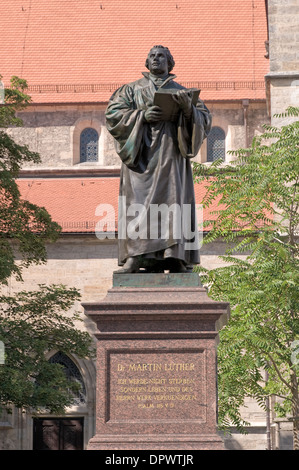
(295, 410)
(296, 431)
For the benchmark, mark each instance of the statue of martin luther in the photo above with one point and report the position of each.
(155, 151)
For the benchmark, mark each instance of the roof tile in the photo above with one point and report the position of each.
(75, 203)
(106, 42)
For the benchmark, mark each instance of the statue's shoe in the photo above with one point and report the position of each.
(178, 267)
(131, 266)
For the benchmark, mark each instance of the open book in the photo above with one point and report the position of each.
(164, 99)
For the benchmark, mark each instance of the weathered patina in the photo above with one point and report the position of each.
(156, 167)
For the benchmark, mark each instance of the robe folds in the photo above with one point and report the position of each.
(155, 170)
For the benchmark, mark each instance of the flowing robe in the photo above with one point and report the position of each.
(155, 170)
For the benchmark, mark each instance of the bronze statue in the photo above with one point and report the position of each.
(155, 145)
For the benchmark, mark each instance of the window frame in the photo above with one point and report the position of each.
(90, 130)
(222, 148)
(79, 126)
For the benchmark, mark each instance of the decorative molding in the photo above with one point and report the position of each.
(99, 87)
(291, 75)
(70, 172)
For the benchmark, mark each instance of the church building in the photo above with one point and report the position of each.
(74, 55)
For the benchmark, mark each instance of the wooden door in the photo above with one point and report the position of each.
(58, 434)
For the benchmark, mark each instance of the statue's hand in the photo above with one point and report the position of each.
(153, 114)
(184, 100)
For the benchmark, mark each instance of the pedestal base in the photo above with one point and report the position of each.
(156, 442)
(156, 364)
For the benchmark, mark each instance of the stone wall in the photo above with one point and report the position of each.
(283, 78)
(283, 35)
(54, 131)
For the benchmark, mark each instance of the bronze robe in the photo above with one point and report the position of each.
(156, 166)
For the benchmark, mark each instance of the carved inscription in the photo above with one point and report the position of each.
(170, 382)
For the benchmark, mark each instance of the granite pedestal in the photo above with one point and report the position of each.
(156, 364)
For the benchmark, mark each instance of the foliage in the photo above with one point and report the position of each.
(257, 216)
(21, 222)
(32, 324)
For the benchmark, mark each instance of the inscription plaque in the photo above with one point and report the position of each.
(154, 386)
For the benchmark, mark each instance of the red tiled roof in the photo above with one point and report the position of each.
(73, 202)
(100, 44)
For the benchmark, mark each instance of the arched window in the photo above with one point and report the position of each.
(216, 144)
(72, 373)
(89, 141)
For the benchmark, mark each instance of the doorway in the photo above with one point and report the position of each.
(58, 434)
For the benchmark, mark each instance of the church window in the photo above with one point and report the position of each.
(89, 142)
(216, 144)
(73, 374)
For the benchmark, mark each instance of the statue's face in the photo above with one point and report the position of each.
(158, 62)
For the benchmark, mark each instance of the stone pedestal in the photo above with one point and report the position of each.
(156, 364)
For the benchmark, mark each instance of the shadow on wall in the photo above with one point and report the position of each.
(255, 439)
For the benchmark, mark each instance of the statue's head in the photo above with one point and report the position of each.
(165, 51)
